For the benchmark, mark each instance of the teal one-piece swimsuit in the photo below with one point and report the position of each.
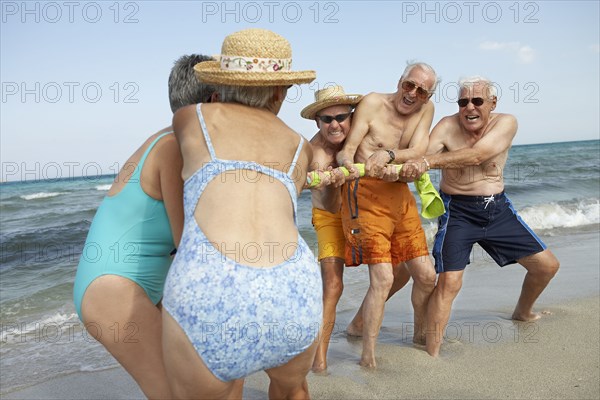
(131, 237)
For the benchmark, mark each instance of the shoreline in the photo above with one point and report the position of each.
(555, 357)
(487, 355)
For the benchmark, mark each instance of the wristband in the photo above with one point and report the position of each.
(427, 163)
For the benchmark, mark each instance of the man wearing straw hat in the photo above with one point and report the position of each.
(244, 293)
(332, 111)
(381, 222)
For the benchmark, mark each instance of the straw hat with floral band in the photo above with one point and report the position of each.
(327, 97)
(253, 57)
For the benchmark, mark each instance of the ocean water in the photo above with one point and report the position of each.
(43, 226)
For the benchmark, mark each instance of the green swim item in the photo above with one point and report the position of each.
(432, 205)
(131, 237)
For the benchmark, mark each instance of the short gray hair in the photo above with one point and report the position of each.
(184, 88)
(253, 96)
(410, 65)
(471, 81)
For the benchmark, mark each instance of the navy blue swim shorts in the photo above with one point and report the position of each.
(490, 221)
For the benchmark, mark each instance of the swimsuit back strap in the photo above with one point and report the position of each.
(143, 159)
(298, 150)
(209, 145)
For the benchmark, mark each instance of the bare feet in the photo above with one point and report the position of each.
(419, 339)
(368, 362)
(353, 330)
(526, 317)
(319, 366)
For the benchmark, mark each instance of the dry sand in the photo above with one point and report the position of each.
(557, 357)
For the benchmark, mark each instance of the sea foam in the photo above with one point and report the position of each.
(562, 215)
(103, 187)
(40, 195)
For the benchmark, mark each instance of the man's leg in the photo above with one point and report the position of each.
(332, 271)
(423, 273)
(401, 278)
(438, 310)
(541, 268)
(381, 277)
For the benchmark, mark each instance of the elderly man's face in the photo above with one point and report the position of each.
(414, 90)
(331, 129)
(475, 106)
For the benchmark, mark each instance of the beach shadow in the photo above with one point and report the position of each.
(254, 394)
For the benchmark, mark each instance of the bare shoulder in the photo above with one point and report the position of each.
(504, 118)
(182, 117)
(316, 141)
(448, 123)
(504, 122)
(372, 100)
(168, 146)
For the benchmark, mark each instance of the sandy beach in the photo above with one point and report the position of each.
(486, 355)
(556, 358)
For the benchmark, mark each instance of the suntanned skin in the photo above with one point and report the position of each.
(266, 216)
(113, 299)
(471, 147)
(325, 145)
(399, 122)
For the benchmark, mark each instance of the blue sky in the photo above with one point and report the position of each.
(85, 82)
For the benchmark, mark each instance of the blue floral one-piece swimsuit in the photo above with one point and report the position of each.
(241, 319)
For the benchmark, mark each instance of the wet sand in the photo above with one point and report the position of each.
(486, 355)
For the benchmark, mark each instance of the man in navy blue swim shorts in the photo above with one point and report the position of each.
(471, 148)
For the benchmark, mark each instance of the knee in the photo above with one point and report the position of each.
(383, 282)
(425, 277)
(552, 267)
(449, 288)
(332, 289)
(547, 268)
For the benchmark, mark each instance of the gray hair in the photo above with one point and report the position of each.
(472, 81)
(253, 96)
(184, 88)
(410, 65)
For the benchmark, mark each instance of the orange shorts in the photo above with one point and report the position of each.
(381, 223)
(329, 233)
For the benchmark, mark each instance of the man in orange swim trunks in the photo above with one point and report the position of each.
(332, 111)
(381, 221)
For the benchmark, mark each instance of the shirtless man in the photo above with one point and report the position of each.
(332, 111)
(471, 148)
(381, 222)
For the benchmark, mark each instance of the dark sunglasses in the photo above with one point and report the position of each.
(477, 101)
(409, 86)
(329, 119)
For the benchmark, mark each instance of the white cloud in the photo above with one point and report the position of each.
(524, 53)
(595, 47)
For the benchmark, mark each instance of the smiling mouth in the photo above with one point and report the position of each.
(471, 117)
(407, 101)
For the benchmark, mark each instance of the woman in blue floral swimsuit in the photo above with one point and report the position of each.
(244, 292)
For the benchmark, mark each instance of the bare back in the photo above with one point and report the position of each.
(247, 215)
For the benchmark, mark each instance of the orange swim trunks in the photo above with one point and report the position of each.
(330, 234)
(381, 223)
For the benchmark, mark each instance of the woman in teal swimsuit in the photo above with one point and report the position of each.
(127, 254)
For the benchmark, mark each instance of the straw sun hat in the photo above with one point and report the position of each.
(330, 96)
(253, 57)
